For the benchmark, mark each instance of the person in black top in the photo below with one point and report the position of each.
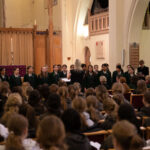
(90, 78)
(44, 76)
(96, 71)
(72, 67)
(83, 66)
(59, 68)
(105, 72)
(31, 77)
(127, 74)
(3, 76)
(63, 73)
(15, 79)
(118, 71)
(54, 76)
(142, 70)
(77, 74)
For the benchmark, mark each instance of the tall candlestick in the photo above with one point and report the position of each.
(11, 45)
(35, 22)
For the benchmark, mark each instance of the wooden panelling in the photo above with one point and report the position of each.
(134, 55)
(57, 49)
(40, 52)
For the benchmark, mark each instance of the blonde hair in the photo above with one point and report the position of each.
(77, 64)
(141, 87)
(79, 104)
(63, 93)
(103, 79)
(92, 107)
(16, 125)
(13, 103)
(101, 93)
(24, 87)
(126, 136)
(110, 107)
(51, 133)
(117, 88)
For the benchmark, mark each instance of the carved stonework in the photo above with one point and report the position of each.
(100, 50)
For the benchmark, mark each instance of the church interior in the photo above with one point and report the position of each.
(74, 75)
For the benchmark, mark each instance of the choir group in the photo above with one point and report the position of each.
(87, 76)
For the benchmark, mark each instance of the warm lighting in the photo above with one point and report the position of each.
(83, 30)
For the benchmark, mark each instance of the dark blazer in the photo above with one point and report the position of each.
(43, 80)
(31, 79)
(89, 81)
(62, 75)
(54, 78)
(15, 81)
(77, 76)
(4, 79)
(115, 74)
(144, 70)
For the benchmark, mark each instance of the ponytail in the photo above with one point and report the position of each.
(13, 142)
(136, 143)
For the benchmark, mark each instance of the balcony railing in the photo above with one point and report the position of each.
(99, 23)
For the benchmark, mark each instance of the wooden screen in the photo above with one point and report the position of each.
(134, 55)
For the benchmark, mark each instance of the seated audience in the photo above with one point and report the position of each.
(65, 101)
(118, 98)
(103, 81)
(125, 137)
(145, 110)
(18, 131)
(51, 134)
(92, 108)
(90, 91)
(53, 105)
(79, 104)
(74, 138)
(141, 87)
(126, 112)
(105, 72)
(4, 93)
(110, 107)
(35, 101)
(118, 88)
(147, 79)
(125, 86)
(101, 94)
(53, 88)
